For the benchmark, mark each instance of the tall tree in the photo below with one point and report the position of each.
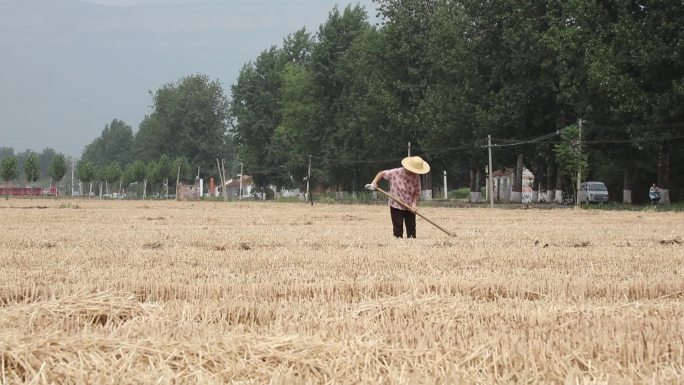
(87, 173)
(32, 168)
(571, 159)
(153, 176)
(8, 168)
(256, 114)
(334, 92)
(149, 142)
(114, 144)
(46, 157)
(134, 172)
(58, 168)
(111, 174)
(290, 142)
(407, 28)
(165, 171)
(190, 118)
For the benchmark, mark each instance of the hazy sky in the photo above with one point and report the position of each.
(68, 67)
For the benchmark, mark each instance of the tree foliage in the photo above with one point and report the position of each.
(86, 171)
(9, 170)
(111, 173)
(442, 75)
(113, 145)
(135, 172)
(46, 158)
(58, 167)
(32, 167)
(256, 109)
(569, 154)
(182, 169)
(189, 118)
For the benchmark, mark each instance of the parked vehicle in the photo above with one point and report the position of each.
(593, 192)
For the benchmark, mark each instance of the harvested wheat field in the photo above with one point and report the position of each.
(108, 292)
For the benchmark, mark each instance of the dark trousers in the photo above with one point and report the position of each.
(398, 219)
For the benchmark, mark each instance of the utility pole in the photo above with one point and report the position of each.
(579, 168)
(446, 195)
(241, 166)
(491, 183)
(222, 176)
(308, 180)
(409, 148)
(223, 188)
(72, 176)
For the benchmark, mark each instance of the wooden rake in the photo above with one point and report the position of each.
(406, 206)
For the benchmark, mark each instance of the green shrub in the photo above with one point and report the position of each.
(461, 193)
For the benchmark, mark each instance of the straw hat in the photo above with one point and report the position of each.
(416, 164)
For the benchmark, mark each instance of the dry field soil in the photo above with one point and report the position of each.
(148, 292)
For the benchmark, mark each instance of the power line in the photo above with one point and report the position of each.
(628, 127)
(543, 139)
(527, 141)
(620, 141)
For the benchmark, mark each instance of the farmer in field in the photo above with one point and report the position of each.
(405, 185)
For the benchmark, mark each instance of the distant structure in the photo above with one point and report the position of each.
(503, 185)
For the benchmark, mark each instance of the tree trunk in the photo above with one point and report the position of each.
(550, 187)
(664, 172)
(626, 188)
(474, 194)
(516, 192)
(535, 190)
(559, 186)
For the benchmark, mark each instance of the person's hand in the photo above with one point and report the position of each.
(414, 208)
(371, 186)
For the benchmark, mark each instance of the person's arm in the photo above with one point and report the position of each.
(377, 178)
(414, 204)
(416, 196)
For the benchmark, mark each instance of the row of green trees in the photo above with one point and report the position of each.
(154, 172)
(33, 165)
(445, 74)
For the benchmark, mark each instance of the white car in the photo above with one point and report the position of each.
(593, 192)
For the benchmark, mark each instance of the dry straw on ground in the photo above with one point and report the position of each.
(183, 293)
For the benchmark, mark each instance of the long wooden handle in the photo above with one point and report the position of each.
(396, 199)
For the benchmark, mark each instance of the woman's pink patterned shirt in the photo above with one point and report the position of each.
(402, 185)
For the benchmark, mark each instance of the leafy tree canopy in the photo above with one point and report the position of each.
(58, 167)
(9, 170)
(32, 167)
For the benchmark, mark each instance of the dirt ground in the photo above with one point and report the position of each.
(124, 292)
